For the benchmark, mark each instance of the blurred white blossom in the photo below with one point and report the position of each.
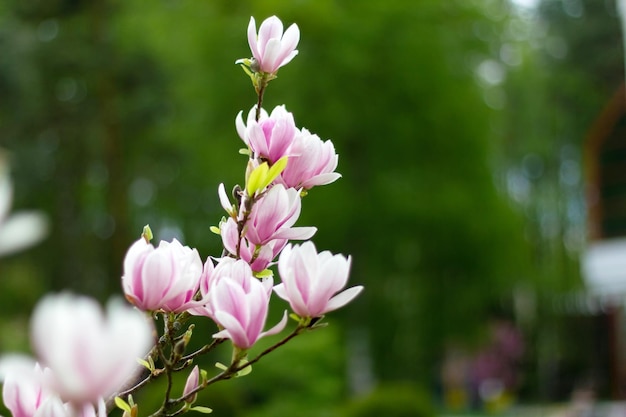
(17, 230)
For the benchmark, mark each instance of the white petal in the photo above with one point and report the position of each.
(343, 298)
(240, 126)
(21, 230)
(276, 329)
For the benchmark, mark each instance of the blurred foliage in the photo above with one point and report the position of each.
(121, 113)
(392, 400)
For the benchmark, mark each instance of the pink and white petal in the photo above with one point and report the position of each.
(241, 127)
(295, 233)
(230, 235)
(281, 291)
(52, 407)
(321, 179)
(256, 138)
(279, 327)
(156, 276)
(288, 59)
(252, 39)
(334, 273)
(290, 40)
(293, 294)
(342, 298)
(270, 28)
(268, 284)
(228, 296)
(271, 54)
(233, 329)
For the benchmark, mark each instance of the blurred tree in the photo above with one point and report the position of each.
(571, 65)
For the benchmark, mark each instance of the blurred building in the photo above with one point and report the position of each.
(603, 263)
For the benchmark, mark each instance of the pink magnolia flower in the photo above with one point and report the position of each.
(258, 257)
(90, 410)
(271, 137)
(272, 48)
(261, 257)
(241, 310)
(90, 353)
(311, 282)
(227, 268)
(311, 162)
(163, 278)
(27, 392)
(23, 391)
(273, 216)
(53, 407)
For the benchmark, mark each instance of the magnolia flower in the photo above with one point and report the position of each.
(311, 281)
(21, 229)
(163, 278)
(272, 48)
(240, 308)
(227, 268)
(258, 257)
(27, 392)
(271, 136)
(311, 162)
(273, 216)
(90, 353)
(23, 390)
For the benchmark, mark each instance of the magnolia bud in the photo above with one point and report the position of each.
(193, 380)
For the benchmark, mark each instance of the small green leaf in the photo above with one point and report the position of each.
(221, 366)
(275, 170)
(266, 273)
(200, 409)
(215, 230)
(256, 179)
(123, 405)
(147, 233)
(245, 371)
(145, 363)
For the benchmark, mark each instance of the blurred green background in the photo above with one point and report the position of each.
(459, 126)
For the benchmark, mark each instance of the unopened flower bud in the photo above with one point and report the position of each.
(193, 380)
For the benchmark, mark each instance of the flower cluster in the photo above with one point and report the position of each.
(85, 357)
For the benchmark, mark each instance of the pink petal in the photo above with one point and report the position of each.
(342, 298)
(252, 39)
(321, 179)
(271, 28)
(241, 127)
(290, 40)
(277, 328)
(233, 330)
(295, 233)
